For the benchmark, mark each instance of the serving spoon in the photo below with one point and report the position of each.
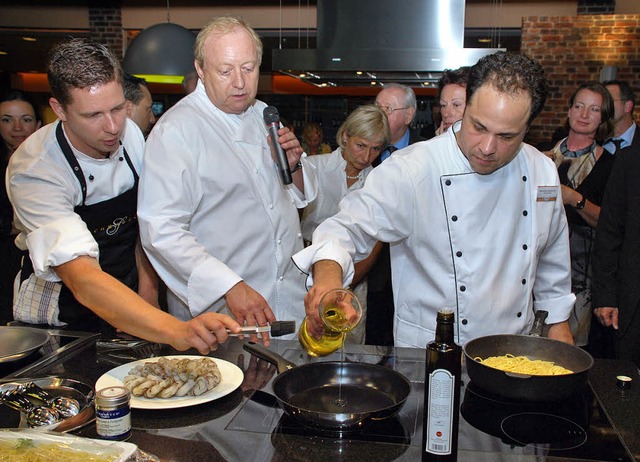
(66, 407)
(37, 416)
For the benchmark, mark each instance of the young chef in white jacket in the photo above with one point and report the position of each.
(73, 186)
(474, 217)
(216, 220)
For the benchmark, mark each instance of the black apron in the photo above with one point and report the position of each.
(114, 225)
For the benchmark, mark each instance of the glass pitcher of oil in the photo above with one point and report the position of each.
(340, 311)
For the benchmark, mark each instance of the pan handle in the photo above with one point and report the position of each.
(260, 351)
(538, 323)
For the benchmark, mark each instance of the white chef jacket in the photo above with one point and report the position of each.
(332, 187)
(483, 245)
(213, 210)
(44, 192)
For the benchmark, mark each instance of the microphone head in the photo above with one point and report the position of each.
(271, 115)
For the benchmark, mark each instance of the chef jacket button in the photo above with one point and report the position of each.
(279, 241)
(524, 281)
(519, 314)
(525, 213)
(525, 246)
(454, 218)
(270, 206)
(463, 288)
(120, 159)
(465, 322)
(448, 182)
(299, 234)
(281, 278)
(458, 254)
(524, 178)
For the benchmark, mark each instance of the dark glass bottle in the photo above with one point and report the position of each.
(442, 393)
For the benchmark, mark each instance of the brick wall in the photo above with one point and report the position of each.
(572, 50)
(105, 26)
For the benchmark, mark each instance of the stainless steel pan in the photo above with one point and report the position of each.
(19, 342)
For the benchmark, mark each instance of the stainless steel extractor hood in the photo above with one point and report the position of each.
(364, 41)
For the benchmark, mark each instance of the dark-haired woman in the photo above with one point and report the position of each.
(18, 120)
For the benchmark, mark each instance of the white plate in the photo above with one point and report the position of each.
(232, 377)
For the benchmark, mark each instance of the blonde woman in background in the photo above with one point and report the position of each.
(361, 138)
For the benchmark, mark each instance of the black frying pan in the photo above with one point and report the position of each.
(310, 393)
(527, 387)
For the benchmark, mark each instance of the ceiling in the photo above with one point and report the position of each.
(24, 54)
(30, 55)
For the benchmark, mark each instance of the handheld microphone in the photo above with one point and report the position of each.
(272, 120)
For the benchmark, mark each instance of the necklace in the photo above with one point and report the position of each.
(356, 177)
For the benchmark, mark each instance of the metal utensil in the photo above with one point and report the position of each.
(66, 407)
(37, 416)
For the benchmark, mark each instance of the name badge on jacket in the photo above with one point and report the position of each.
(547, 193)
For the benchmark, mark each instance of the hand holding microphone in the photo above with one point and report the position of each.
(272, 120)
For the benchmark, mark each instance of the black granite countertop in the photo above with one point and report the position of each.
(235, 427)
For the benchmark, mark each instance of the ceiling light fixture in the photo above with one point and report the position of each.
(162, 53)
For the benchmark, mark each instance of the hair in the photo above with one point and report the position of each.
(368, 122)
(80, 63)
(191, 75)
(511, 73)
(310, 128)
(454, 77)
(131, 85)
(19, 95)
(223, 25)
(409, 95)
(626, 92)
(606, 109)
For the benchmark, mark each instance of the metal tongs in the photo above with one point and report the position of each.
(275, 329)
(116, 350)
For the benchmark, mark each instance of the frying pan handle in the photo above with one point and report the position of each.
(260, 351)
(538, 323)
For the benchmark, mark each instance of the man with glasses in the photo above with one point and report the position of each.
(625, 132)
(399, 103)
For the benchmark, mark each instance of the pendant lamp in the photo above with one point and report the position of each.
(162, 53)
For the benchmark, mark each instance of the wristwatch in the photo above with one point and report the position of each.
(581, 203)
(297, 167)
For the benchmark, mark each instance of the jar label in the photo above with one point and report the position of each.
(440, 415)
(113, 424)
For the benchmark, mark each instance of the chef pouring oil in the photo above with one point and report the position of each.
(442, 393)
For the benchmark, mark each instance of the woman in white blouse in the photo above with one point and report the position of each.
(361, 138)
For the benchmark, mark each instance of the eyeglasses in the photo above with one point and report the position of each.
(389, 110)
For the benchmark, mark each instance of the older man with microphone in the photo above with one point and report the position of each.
(219, 197)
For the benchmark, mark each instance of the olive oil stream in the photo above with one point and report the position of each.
(337, 327)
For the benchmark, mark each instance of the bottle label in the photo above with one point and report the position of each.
(440, 415)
